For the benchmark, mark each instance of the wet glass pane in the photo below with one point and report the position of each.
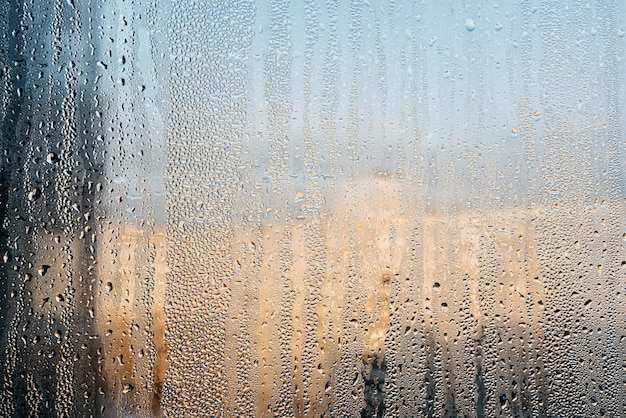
(312, 208)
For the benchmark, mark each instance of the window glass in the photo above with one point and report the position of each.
(312, 208)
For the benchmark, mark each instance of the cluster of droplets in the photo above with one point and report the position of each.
(209, 45)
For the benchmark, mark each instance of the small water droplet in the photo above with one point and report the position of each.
(34, 194)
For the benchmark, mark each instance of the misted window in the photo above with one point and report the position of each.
(312, 208)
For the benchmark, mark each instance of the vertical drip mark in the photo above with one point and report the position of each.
(374, 364)
(124, 370)
(429, 265)
(278, 63)
(158, 320)
(480, 385)
(267, 342)
(373, 391)
(297, 343)
(429, 375)
(330, 82)
(314, 199)
(384, 236)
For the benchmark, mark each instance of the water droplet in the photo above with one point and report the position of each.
(34, 194)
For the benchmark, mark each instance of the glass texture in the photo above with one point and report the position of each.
(312, 208)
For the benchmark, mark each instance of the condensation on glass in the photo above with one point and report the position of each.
(312, 208)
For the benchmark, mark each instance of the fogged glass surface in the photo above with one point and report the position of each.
(312, 208)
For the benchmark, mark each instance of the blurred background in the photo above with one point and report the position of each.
(312, 208)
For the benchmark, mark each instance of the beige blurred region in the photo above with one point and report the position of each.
(366, 249)
(367, 223)
(321, 301)
(365, 243)
(129, 319)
